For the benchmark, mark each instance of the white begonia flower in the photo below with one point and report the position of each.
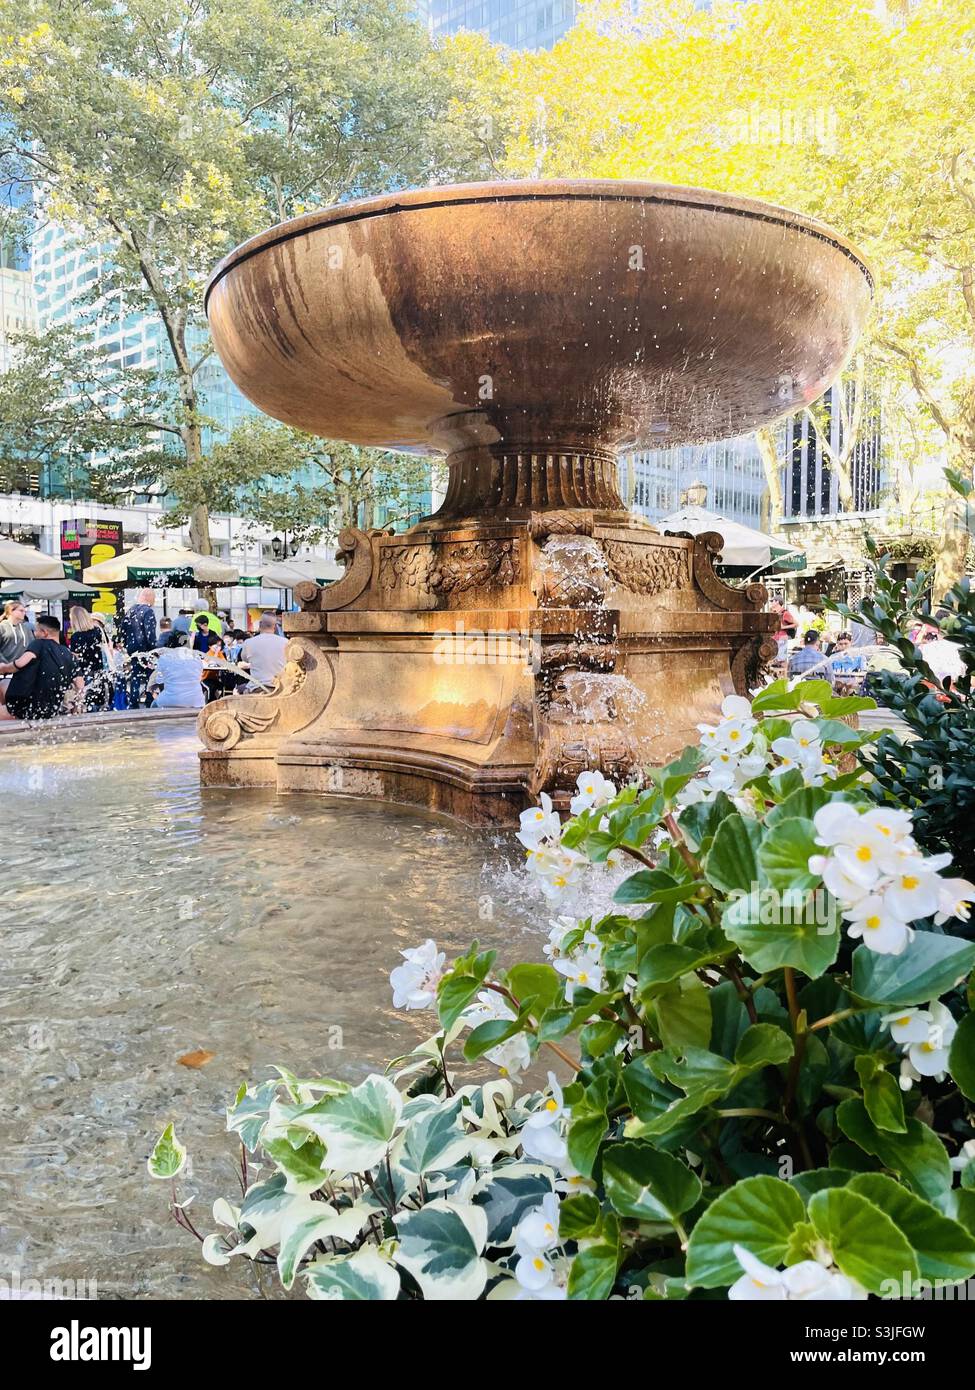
(759, 1283)
(542, 1279)
(539, 823)
(836, 823)
(415, 983)
(914, 893)
(964, 1157)
(907, 1025)
(538, 1229)
(513, 1055)
(930, 1058)
(541, 1136)
(736, 707)
(592, 789)
(955, 898)
(908, 1075)
(880, 929)
(894, 825)
(555, 868)
(809, 1281)
(581, 969)
(560, 929)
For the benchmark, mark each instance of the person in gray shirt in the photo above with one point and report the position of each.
(15, 638)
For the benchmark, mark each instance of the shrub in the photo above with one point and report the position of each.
(767, 1055)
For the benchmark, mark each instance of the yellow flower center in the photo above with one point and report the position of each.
(804, 743)
(908, 881)
(864, 854)
(873, 922)
(928, 1047)
(735, 734)
(583, 977)
(902, 1022)
(559, 882)
(590, 790)
(884, 829)
(551, 1104)
(538, 1263)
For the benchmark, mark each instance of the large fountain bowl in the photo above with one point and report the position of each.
(580, 315)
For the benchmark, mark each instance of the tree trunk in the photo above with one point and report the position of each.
(772, 465)
(951, 546)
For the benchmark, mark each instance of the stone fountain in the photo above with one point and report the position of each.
(530, 331)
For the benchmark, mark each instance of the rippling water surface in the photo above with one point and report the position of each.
(144, 918)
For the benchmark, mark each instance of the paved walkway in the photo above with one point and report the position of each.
(876, 720)
(17, 731)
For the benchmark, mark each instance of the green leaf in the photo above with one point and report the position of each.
(816, 1179)
(918, 1155)
(654, 886)
(491, 1033)
(961, 1058)
(454, 994)
(763, 1045)
(303, 1168)
(927, 968)
(772, 931)
(699, 822)
(784, 855)
(364, 1276)
(676, 775)
(248, 1115)
(684, 1015)
(864, 1242)
(592, 1273)
(168, 1157)
(580, 1216)
(662, 965)
(803, 804)
(731, 863)
(758, 1213)
(944, 1248)
(882, 1096)
(644, 1183)
(356, 1128)
(441, 1246)
(538, 983)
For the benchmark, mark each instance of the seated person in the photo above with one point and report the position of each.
(176, 682)
(265, 653)
(809, 662)
(849, 666)
(42, 675)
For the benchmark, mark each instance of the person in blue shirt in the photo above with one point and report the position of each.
(809, 660)
(849, 666)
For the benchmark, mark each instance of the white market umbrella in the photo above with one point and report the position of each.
(154, 565)
(744, 547)
(24, 562)
(285, 574)
(49, 589)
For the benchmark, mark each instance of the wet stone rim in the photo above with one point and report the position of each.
(385, 206)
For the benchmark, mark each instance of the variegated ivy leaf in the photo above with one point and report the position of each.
(302, 1167)
(356, 1128)
(311, 1221)
(248, 1115)
(168, 1158)
(215, 1250)
(509, 1193)
(441, 1247)
(435, 1139)
(261, 1214)
(365, 1276)
(303, 1092)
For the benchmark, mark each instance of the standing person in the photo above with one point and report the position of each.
(42, 675)
(200, 611)
(279, 621)
(203, 638)
(264, 654)
(15, 637)
(165, 631)
(181, 623)
(86, 643)
(809, 659)
(137, 632)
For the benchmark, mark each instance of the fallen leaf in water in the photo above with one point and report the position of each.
(199, 1058)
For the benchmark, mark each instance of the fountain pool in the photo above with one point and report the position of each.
(146, 919)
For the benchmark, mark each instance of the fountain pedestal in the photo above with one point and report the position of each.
(530, 332)
(465, 669)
